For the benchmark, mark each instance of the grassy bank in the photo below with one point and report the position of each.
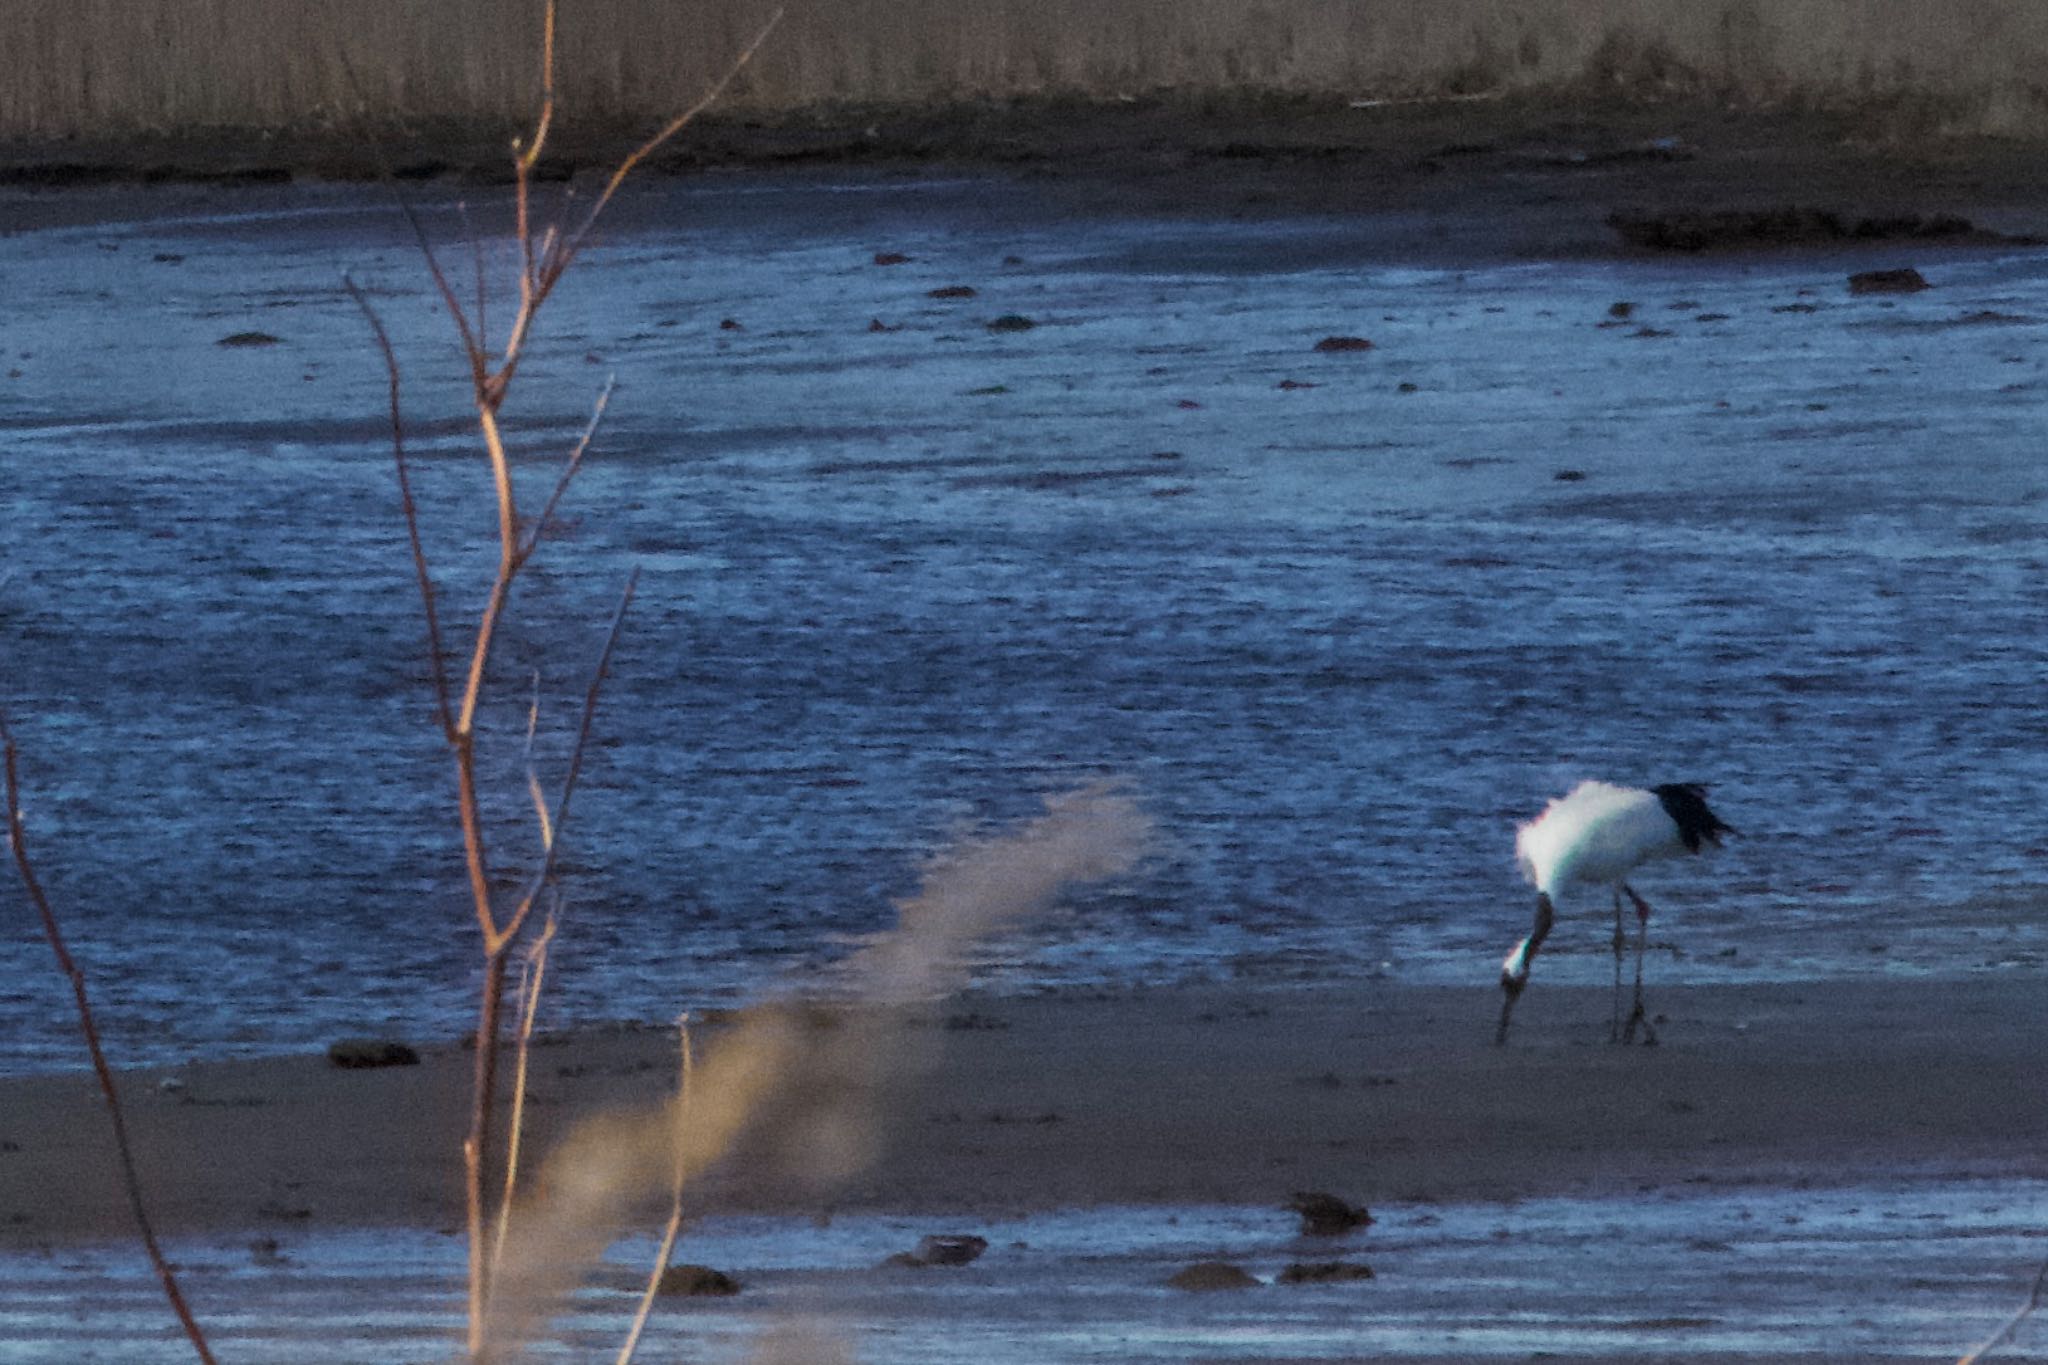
(108, 68)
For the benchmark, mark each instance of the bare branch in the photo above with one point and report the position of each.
(412, 516)
(569, 467)
(55, 937)
(472, 345)
(543, 273)
(559, 261)
(529, 156)
(591, 694)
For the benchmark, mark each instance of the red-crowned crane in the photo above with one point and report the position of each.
(1596, 835)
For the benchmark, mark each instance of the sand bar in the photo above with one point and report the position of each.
(1379, 1092)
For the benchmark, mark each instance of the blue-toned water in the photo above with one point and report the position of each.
(1341, 619)
(1894, 1271)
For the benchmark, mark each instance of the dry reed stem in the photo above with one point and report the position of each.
(65, 963)
(2012, 1324)
(533, 970)
(675, 1209)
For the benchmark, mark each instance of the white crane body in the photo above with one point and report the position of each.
(1597, 835)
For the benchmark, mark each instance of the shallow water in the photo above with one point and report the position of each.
(900, 583)
(1894, 1270)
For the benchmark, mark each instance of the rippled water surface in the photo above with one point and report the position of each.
(1871, 1272)
(1342, 619)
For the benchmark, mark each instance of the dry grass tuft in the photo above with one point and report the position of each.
(108, 67)
(802, 1100)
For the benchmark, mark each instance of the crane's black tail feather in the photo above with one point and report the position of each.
(1686, 804)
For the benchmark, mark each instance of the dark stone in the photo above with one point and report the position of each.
(356, 1054)
(696, 1281)
(1325, 1215)
(1903, 281)
(1335, 345)
(1011, 322)
(1324, 1272)
(952, 291)
(247, 339)
(1204, 1276)
(891, 258)
(1733, 229)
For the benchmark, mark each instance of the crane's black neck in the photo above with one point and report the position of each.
(1686, 804)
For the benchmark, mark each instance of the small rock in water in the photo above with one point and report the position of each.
(1011, 322)
(1325, 1215)
(696, 1281)
(1620, 310)
(1331, 345)
(891, 258)
(1903, 281)
(1203, 1276)
(955, 1248)
(951, 291)
(1324, 1272)
(248, 339)
(950, 1248)
(358, 1053)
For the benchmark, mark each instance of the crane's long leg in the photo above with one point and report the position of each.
(1614, 1021)
(1639, 1015)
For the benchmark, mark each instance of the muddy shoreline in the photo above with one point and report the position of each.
(1007, 1106)
(1537, 175)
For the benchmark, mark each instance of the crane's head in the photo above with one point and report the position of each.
(1514, 973)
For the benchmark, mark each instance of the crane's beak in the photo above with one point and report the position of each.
(1511, 984)
(1514, 973)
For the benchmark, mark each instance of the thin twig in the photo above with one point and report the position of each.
(129, 1179)
(483, 290)
(2012, 1325)
(472, 346)
(675, 1210)
(533, 787)
(412, 515)
(590, 698)
(569, 468)
(670, 129)
(529, 156)
(533, 970)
